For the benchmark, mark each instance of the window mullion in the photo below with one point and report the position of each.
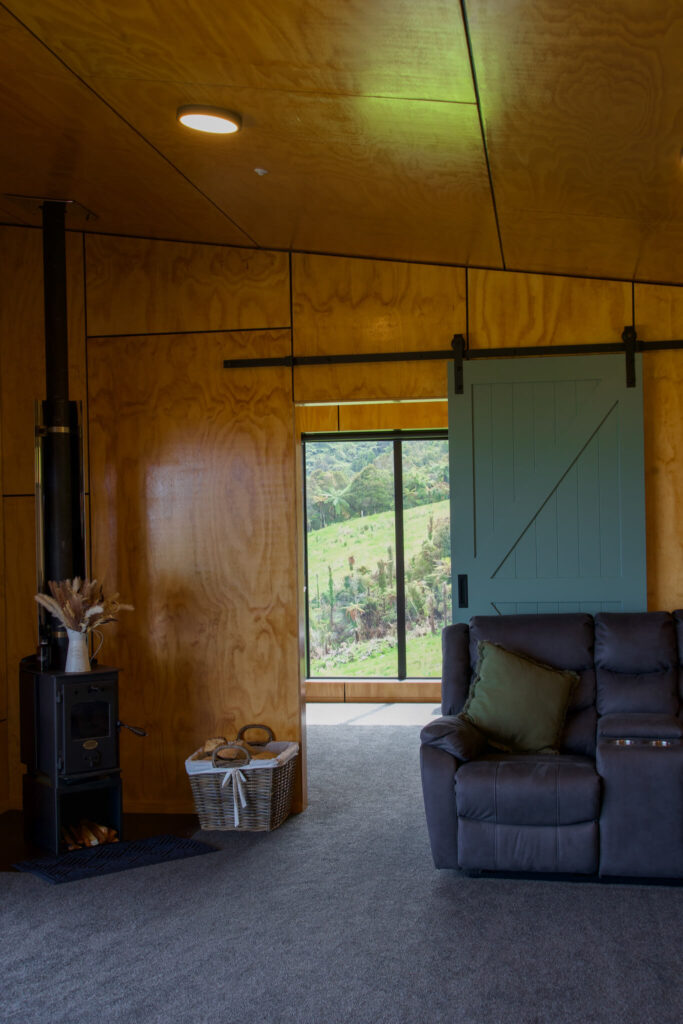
(399, 560)
(307, 653)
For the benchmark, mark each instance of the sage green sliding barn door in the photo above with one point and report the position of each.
(547, 487)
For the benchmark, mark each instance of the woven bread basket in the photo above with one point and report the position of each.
(243, 795)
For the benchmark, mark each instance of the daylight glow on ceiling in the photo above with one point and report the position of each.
(209, 119)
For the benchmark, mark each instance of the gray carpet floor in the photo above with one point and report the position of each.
(338, 916)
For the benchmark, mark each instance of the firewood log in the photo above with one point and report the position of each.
(101, 832)
(75, 835)
(89, 838)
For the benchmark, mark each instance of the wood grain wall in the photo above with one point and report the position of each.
(508, 309)
(194, 469)
(193, 511)
(138, 286)
(659, 317)
(194, 522)
(4, 731)
(356, 306)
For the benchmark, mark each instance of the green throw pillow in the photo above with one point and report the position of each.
(518, 703)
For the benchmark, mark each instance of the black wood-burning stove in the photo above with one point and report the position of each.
(69, 720)
(70, 746)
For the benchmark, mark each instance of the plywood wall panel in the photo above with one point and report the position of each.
(344, 306)
(3, 628)
(22, 348)
(4, 780)
(21, 617)
(659, 317)
(508, 309)
(141, 286)
(658, 312)
(663, 411)
(366, 382)
(394, 416)
(4, 673)
(356, 305)
(311, 419)
(22, 360)
(193, 522)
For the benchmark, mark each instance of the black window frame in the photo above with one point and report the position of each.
(397, 437)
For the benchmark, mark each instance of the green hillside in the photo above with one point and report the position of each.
(367, 539)
(351, 593)
(423, 657)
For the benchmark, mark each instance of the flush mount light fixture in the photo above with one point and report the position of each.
(209, 119)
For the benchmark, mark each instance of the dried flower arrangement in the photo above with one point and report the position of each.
(80, 605)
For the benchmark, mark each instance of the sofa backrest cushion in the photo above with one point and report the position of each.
(456, 673)
(637, 663)
(637, 658)
(563, 641)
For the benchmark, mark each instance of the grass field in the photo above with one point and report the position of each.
(423, 660)
(367, 539)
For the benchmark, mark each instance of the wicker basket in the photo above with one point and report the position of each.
(244, 795)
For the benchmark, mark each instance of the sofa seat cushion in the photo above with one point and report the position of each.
(528, 790)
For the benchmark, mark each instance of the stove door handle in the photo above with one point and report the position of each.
(132, 728)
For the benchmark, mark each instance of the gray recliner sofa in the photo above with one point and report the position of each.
(609, 800)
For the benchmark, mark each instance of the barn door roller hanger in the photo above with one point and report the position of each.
(460, 351)
(629, 346)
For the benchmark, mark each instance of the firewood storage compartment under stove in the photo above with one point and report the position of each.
(70, 746)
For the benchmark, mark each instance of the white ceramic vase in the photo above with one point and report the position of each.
(77, 655)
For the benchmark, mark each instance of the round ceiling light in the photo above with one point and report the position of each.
(209, 119)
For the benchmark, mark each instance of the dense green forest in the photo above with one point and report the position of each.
(351, 555)
(355, 478)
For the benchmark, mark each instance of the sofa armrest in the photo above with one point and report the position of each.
(438, 789)
(456, 735)
(640, 726)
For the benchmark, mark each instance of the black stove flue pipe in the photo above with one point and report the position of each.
(61, 530)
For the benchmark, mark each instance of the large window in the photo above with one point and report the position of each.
(377, 554)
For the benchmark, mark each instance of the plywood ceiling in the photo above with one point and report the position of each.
(540, 135)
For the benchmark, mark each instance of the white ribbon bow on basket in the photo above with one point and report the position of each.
(236, 776)
(238, 793)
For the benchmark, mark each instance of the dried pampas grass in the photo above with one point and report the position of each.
(80, 604)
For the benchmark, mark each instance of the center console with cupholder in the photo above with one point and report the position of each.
(639, 758)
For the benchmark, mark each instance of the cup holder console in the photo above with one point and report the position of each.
(641, 743)
(641, 817)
